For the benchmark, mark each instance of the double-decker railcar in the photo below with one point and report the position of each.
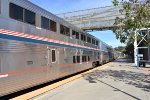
(37, 47)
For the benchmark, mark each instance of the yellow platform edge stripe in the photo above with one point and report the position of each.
(35, 93)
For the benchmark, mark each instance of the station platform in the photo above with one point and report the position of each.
(118, 80)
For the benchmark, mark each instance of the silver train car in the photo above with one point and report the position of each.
(37, 47)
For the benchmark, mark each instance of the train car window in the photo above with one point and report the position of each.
(78, 59)
(44, 23)
(97, 43)
(88, 58)
(74, 59)
(75, 34)
(53, 26)
(93, 41)
(53, 56)
(29, 17)
(88, 39)
(16, 12)
(64, 30)
(84, 59)
(67, 31)
(82, 37)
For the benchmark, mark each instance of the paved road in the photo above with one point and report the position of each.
(118, 81)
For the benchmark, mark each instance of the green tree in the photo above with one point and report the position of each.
(136, 15)
(119, 48)
(129, 51)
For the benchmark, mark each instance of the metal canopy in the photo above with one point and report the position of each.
(103, 18)
(93, 19)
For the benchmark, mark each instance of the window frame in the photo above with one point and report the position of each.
(76, 34)
(66, 30)
(10, 9)
(54, 24)
(88, 58)
(97, 42)
(73, 34)
(78, 60)
(93, 41)
(25, 21)
(43, 18)
(84, 59)
(23, 14)
(89, 39)
(74, 59)
(83, 37)
(52, 56)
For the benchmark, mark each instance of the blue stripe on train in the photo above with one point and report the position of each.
(4, 36)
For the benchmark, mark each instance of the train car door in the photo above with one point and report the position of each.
(52, 57)
(52, 62)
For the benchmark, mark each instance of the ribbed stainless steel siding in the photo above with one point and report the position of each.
(14, 55)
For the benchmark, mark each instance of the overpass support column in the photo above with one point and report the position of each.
(136, 60)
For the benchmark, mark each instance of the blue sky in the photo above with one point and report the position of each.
(60, 6)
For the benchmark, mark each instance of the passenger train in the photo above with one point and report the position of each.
(37, 47)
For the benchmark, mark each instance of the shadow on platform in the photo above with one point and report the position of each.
(138, 80)
(123, 60)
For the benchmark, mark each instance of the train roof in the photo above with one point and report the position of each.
(106, 44)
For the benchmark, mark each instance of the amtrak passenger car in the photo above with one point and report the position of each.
(37, 46)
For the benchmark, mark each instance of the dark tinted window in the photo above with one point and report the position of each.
(74, 59)
(16, 12)
(83, 37)
(67, 31)
(44, 23)
(88, 39)
(29, 17)
(78, 59)
(88, 58)
(97, 43)
(84, 59)
(53, 26)
(64, 30)
(21, 14)
(75, 34)
(53, 56)
(93, 41)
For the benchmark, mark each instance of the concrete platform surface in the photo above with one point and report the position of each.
(118, 81)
